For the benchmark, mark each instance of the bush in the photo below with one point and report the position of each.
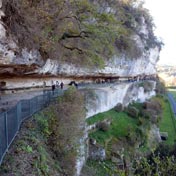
(152, 110)
(65, 119)
(43, 124)
(103, 126)
(160, 88)
(119, 107)
(154, 106)
(141, 121)
(132, 111)
(145, 114)
(131, 137)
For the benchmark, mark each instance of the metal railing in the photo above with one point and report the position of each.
(10, 121)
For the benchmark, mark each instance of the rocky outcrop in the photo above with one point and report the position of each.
(103, 99)
(22, 61)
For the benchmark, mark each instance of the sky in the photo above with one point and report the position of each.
(164, 14)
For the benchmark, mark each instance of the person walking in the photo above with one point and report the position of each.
(57, 84)
(53, 88)
(44, 87)
(62, 85)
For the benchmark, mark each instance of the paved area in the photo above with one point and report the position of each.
(173, 103)
(9, 100)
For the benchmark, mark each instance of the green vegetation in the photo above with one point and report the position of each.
(173, 93)
(121, 124)
(81, 32)
(160, 88)
(48, 142)
(133, 124)
(130, 130)
(147, 85)
(29, 153)
(100, 117)
(168, 122)
(102, 169)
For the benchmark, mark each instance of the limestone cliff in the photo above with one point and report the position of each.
(28, 48)
(103, 99)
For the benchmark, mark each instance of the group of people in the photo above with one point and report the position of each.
(57, 85)
(53, 86)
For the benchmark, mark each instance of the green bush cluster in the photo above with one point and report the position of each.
(119, 107)
(132, 111)
(152, 110)
(147, 85)
(160, 88)
(162, 162)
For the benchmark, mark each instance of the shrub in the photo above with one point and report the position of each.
(66, 118)
(103, 126)
(132, 111)
(145, 114)
(160, 88)
(154, 106)
(131, 136)
(152, 110)
(119, 107)
(43, 124)
(141, 121)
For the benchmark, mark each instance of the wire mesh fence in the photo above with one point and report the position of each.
(11, 120)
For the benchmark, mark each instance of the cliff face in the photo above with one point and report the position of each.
(103, 99)
(133, 50)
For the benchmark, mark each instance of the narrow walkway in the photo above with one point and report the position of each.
(9, 100)
(173, 103)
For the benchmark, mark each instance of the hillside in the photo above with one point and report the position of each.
(104, 52)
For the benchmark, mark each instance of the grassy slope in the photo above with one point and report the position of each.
(29, 154)
(167, 122)
(121, 123)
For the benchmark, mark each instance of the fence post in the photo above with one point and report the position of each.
(30, 107)
(37, 102)
(19, 114)
(6, 130)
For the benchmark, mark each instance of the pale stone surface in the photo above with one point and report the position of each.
(0, 3)
(116, 67)
(97, 152)
(11, 54)
(2, 32)
(154, 136)
(50, 66)
(16, 83)
(106, 98)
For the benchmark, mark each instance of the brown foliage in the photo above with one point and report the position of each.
(66, 119)
(103, 126)
(119, 107)
(152, 110)
(132, 111)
